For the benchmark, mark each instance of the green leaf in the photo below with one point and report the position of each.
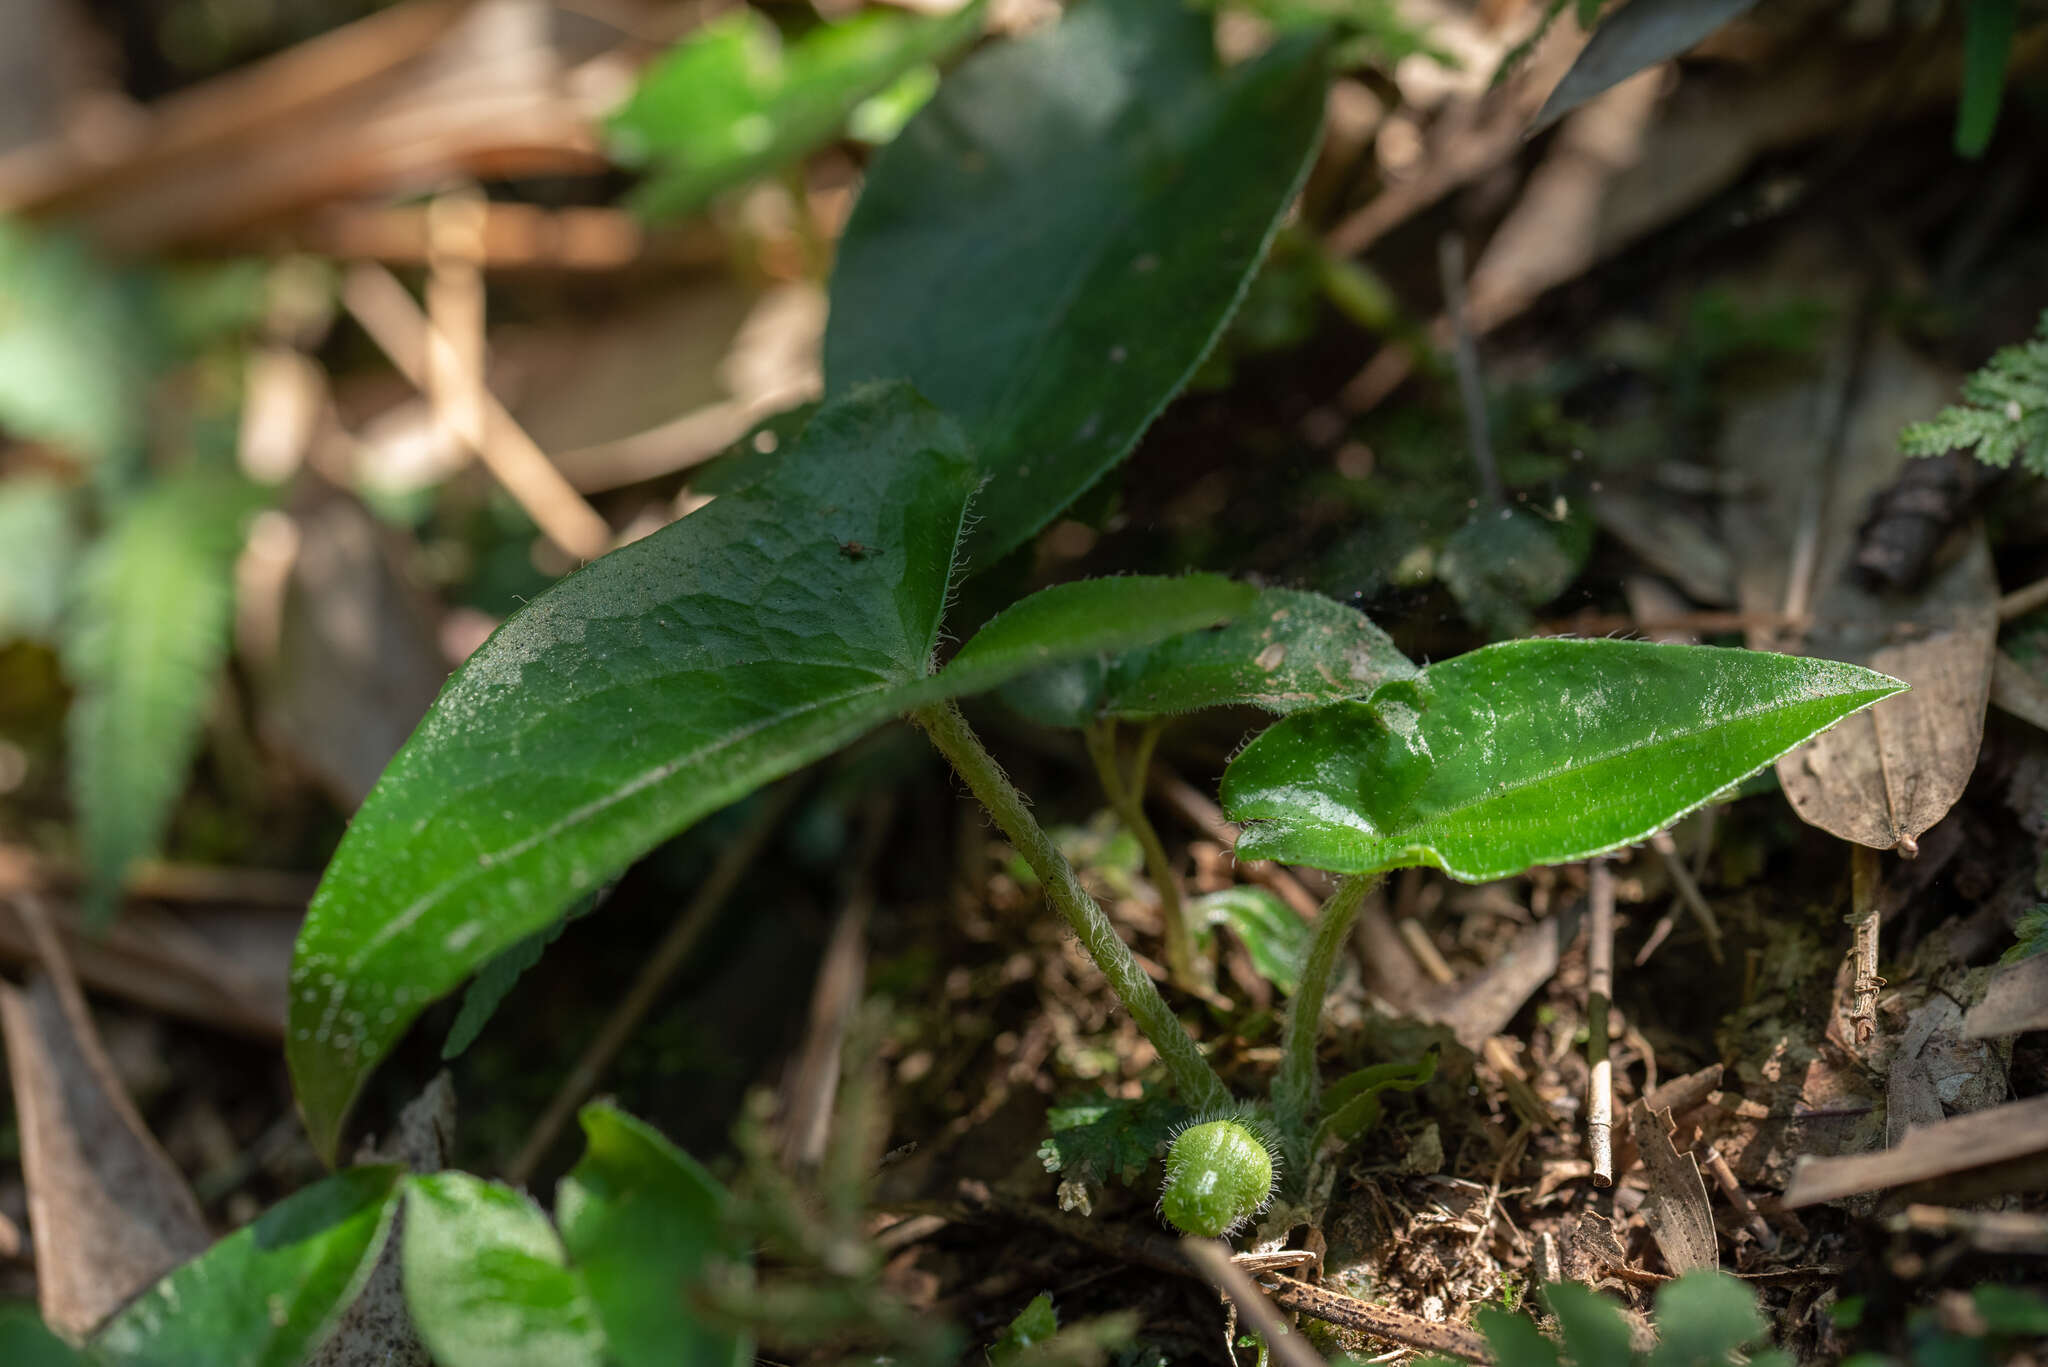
(1515, 1339)
(38, 556)
(642, 1222)
(265, 1295)
(1987, 47)
(1499, 565)
(2011, 1310)
(1702, 1318)
(148, 637)
(1096, 1138)
(1285, 651)
(24, 1342)
(1054, 242)
(1352, 1105)
(732, 102)
(655, 686)
(1273, 933)
(1640, 34)
(1528, 752)
(1595, 1335)
(487, 1281)
(2004, 413)
(1034, 1324)
(77, 346)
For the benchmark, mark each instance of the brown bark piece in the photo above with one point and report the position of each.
(2016, 1000)
(1675, 1206)
(109, 1212)
(1970, 1156)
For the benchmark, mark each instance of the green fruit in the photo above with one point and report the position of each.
(1219, 1173)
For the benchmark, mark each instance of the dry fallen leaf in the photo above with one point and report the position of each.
(1986, 1153)
(2016, 1000)
(1675, 1206)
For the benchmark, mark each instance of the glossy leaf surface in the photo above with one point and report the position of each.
(657, 685)
(1274, 935)
(641, 1220)
(1285, 651)
(263, 1296)
(487, 1281)
(1053, 243)
(733, 102)
(1528, 752)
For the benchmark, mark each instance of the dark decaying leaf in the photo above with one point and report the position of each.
(1053, 243)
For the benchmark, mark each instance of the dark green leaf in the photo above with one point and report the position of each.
(1034, 1324)
(1051, 246)
(1501, 564)
(487, 1282)
(1528, 752)
(1095, 1139)
(1515, 1339)
(38, 554)
(1285, 651)
(642, 1222)
(1352, 1105)
(2011, 1310)
(24, 1342)
(1703, 1318)
(1595, 1334)
(656, 685)
(1273, 933)
(1987, 47)
(147, 638)
(265, 1295)
(1640, 34)
(732, 102)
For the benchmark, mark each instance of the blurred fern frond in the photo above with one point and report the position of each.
(38, 553)
(2004, 413)
(149, 630)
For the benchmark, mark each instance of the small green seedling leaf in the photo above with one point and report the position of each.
(487, 1281)
(1286, 651)
(658, 684)
(733, 102)
(1036, 1323)
(1352, 1105)
(265, 1295)
(642, 1222)
(488, 990)
(1515, 1339)
(1274, 934)
(1703, 1318)
(1528, 752)
(24, 1342)
(1097, 1138)
(1053, 243)
(1595, 1334)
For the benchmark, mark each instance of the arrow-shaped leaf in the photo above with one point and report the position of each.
(1528, 752)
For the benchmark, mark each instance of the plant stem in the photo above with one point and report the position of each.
(1127, 800)
(1192, 1076)
(1298, 1088)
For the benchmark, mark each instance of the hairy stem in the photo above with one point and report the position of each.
(1192, 1076)
(1127, 800)
(1298, 1088)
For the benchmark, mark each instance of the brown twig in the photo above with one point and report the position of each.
(1724, 1176)
(1212, 1259)
(1867, 913)
(1410, 1331)
(1599, 997)
(388, 314)
(1688, 891)
(668, 956)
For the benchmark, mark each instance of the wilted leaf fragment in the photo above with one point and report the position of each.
(1528, 752)
(1053, 243)
(487, 1280)
(642, 1222)
(1639, 35)
(263, 1296)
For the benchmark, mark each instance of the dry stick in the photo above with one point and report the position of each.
(1688, 890)
(1127, 800)
(1717, 1168)
(2023, 600)
(1599, 995)
(378, 302)
(1450, 258)
(1409, 1330)
(455, 310)
(668, 956)
(1212, 1259)
(1864, 908)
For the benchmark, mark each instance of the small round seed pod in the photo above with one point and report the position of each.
(1219, 1173)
